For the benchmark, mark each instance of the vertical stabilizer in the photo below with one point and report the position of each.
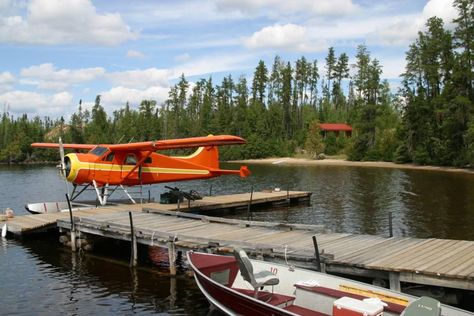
(206, 156)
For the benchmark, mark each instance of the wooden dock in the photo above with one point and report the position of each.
(26, 224)
(437, 262)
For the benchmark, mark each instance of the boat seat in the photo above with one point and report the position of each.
(424, 306)
(257, 280)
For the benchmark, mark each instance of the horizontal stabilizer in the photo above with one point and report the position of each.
(244, 172)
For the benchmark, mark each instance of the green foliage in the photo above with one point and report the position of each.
(331, 144)
(430, 121)
(470, 144)
(437, 86)
(314, 144)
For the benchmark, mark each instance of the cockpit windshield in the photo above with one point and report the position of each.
(98, 151)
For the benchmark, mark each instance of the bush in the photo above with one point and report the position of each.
(314, 142)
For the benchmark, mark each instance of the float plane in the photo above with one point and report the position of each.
(132, 164)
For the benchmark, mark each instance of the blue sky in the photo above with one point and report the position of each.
(54, 53)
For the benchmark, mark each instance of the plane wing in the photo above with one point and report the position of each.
(180, 143)
(66, 146)
(156, 145)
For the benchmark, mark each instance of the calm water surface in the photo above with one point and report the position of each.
(37, 277)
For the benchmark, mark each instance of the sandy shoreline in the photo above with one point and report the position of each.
(341, 162)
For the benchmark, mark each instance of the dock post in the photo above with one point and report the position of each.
(172, 256)
(173, 293)
(249, 205)
(288, 195)
(133, 242)
(210, 190)
(390, 226)
(149, 196)
(73, 227)
(394, 279)
(316, 253)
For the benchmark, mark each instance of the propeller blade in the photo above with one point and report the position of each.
(61, 154)
(62, 164)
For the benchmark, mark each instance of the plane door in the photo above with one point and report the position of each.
(129, 163)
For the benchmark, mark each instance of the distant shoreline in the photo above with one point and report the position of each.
(346, 163)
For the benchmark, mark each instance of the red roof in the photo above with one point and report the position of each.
(335, 127)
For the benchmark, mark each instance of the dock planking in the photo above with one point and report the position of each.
(431, 261)
(424, 261)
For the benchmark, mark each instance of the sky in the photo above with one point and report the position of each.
(54, 53)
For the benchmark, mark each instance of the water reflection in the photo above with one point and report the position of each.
(39, 277)
(345, 199)
(441, 205)
(359, 200)
(44, 280)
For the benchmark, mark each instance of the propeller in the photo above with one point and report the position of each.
(62, 163)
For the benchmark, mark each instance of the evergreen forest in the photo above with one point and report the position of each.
(429, 120)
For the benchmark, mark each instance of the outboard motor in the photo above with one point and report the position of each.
(424, 306)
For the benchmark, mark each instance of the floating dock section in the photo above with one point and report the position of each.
(27, 224)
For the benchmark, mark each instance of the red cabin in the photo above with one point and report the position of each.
(335, 128)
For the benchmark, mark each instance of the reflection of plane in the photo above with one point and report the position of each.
(138, 163)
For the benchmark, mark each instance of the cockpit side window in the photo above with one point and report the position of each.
(98, 151)
(110, 157)
(131, 159)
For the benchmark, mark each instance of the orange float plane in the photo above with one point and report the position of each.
(139, 163)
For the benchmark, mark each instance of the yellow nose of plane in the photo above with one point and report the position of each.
(71, 167)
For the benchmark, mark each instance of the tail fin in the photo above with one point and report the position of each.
(206, 156)
(209, 157)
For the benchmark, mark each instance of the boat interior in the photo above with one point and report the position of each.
(298, 291)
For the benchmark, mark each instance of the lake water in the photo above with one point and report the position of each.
(38, 277)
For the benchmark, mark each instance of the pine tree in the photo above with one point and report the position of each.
(330, 64)
(259, 83)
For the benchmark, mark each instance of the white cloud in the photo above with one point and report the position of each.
(288, 37)
(6, 81)
(214, 64)
(141, 79)
(278, 8)
(153, 84)
(36, 103)
(394, 31)
(402, 30)
(175, 12)
(4, 5)
(64, 22)
(135, 54)
(45, 76)
(118, 96)
(443, 9)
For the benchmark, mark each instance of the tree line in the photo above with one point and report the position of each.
(428, 121)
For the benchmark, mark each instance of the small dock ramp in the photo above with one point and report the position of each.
(27, 224)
